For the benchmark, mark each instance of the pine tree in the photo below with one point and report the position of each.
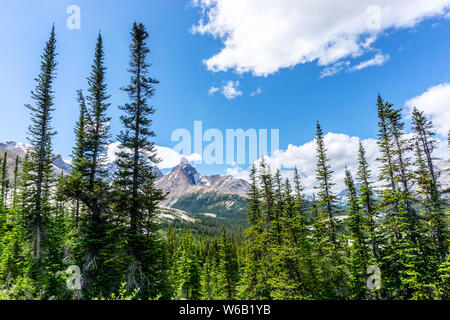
(88, 184)
(15, 181)
(97, 135)
(360, 253)
(399, 221)
(323, 176)
(330, 249)
(254, 239)
(37, 207)
(423, 129)
(367, 198)
(385, 143)
(403, 175)
(293, 271)
(229, 267)
(254, 212)
(208, 284)
(423, 263)
(294, 211)
(267, 193)
(268, 223)
(4, 181)
(301, 203)
(278, 207)
(135, 193)
(189, 270)
(80, 164)
(57, 237)
(426, 177)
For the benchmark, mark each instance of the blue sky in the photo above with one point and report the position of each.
(291, 98)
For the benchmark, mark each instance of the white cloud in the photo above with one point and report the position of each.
(169, 157)
(334, 69)
(378, 60)
(342, 152)
(257, 92)
(230, 90)
(111, 151)
(263, 36)
(434, 102)
(238, 173)
(213, 90)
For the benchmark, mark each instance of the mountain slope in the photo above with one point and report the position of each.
(11, 161)
(212, 203)
(196, 193)
(19, 149)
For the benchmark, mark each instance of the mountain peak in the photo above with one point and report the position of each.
(184, 161)
(15, 147)
(62, 164)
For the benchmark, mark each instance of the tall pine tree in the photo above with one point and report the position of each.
(37, 207)
(324, 177)
(135, 193)
(367, 198)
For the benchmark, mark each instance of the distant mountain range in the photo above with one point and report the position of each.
(187, 190)
(14, 149)
(196, 193)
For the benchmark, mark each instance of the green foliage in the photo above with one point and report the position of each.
(229, 206)
(291, 248)
(228, 267)
(359, 251)
(135, 198)
(189, 270)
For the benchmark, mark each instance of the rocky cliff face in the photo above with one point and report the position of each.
(184, 182)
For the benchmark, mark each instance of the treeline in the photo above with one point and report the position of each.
(101, 226)
(392, 244)
(390, 240)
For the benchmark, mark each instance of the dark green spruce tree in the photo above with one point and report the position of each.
(330, 248)
(324, 173)
(427, 179)
(367, 198)
(15, 182)
(135, 194)
(3, 187)
(359, 251)
(4, 181)
(394, 220)
(228, 268)
(253, 240)
(80, 163)
(36, 206)
(269, 220)
(401, 226)
(189, 270)
(88, 184)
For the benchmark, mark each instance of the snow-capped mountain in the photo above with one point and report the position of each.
(184, 180)
(62, 164)
(15, 147)
(20, 149)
